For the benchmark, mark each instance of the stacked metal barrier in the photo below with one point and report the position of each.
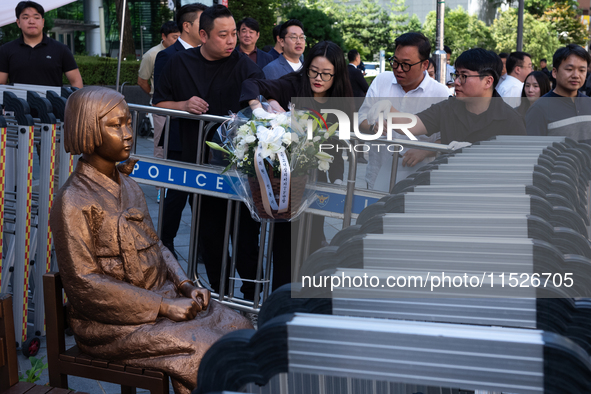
(27, 242)
(513, 199)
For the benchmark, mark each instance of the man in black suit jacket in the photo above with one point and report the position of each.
(175, 200)
(248, 34)
(358, 82)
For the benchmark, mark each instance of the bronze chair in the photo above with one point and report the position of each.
(73, 362)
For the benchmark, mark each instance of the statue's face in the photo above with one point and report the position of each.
(117, 134)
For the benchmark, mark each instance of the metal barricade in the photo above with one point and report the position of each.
(205, 179)
(27, 237)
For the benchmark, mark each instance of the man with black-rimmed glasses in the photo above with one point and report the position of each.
(408, 80)
(477, 113)
(293, 41)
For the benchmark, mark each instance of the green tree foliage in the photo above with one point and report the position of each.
(563, 19)
(318, 25)
(367, 24)
(160, 14)
(536, 7)
(462, 31)
(533, 7)
(9, 33)
(539, 40)
(369, 27)
(97, 70)
(414, 24)
(262, 11)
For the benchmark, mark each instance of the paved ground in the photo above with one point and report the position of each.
(145, 146)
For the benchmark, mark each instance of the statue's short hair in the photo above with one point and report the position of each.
(84, 110)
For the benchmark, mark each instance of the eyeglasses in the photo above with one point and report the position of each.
(324, 76)
(297, 38)
(463, 77)
(405, 66)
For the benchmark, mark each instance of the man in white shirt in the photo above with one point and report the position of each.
(410, 89)
(293, 41)
(519, 66)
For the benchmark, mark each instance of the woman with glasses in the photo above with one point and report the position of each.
(536, 85)
(324, 74)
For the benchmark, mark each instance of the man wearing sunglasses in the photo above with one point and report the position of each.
(409, 88)
(477, 113)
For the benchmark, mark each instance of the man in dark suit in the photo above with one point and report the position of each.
(277, 49)
(188, 23)
(248, 34)
(358, 83)
(175, 200)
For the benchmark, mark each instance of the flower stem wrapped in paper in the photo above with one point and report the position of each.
(271, 158)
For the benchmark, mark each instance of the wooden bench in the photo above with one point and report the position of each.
(9, 383)
(73, 362)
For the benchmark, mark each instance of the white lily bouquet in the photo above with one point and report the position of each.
(270, 156)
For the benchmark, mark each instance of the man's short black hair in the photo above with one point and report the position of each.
(291, 22)
(571, 49)
(169, 27)
(210, 15)
(249, 22)
(414, 39)
(516, 59)
(543, 60)
(188, 13)
(447, 49)
(482, 61)
(352, 55)
(503, 55)
(276, 32)
(20, 7)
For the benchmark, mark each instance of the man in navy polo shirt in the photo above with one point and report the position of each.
(35, 58)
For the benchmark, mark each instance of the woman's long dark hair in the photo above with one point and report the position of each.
(543, 83)
(341, 86)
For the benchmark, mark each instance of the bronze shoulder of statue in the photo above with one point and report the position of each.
(128, 301)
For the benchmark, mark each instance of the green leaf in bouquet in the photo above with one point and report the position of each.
(253, 127)
(332, 129)
(228, 168)
(314, 128)
(215, 146)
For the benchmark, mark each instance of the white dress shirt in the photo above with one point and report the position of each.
(385, 87)
(185, 44)
(510, 90)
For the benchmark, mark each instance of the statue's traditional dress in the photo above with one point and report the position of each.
(115, 273)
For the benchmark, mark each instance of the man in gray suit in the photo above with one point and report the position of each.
(293, 41)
